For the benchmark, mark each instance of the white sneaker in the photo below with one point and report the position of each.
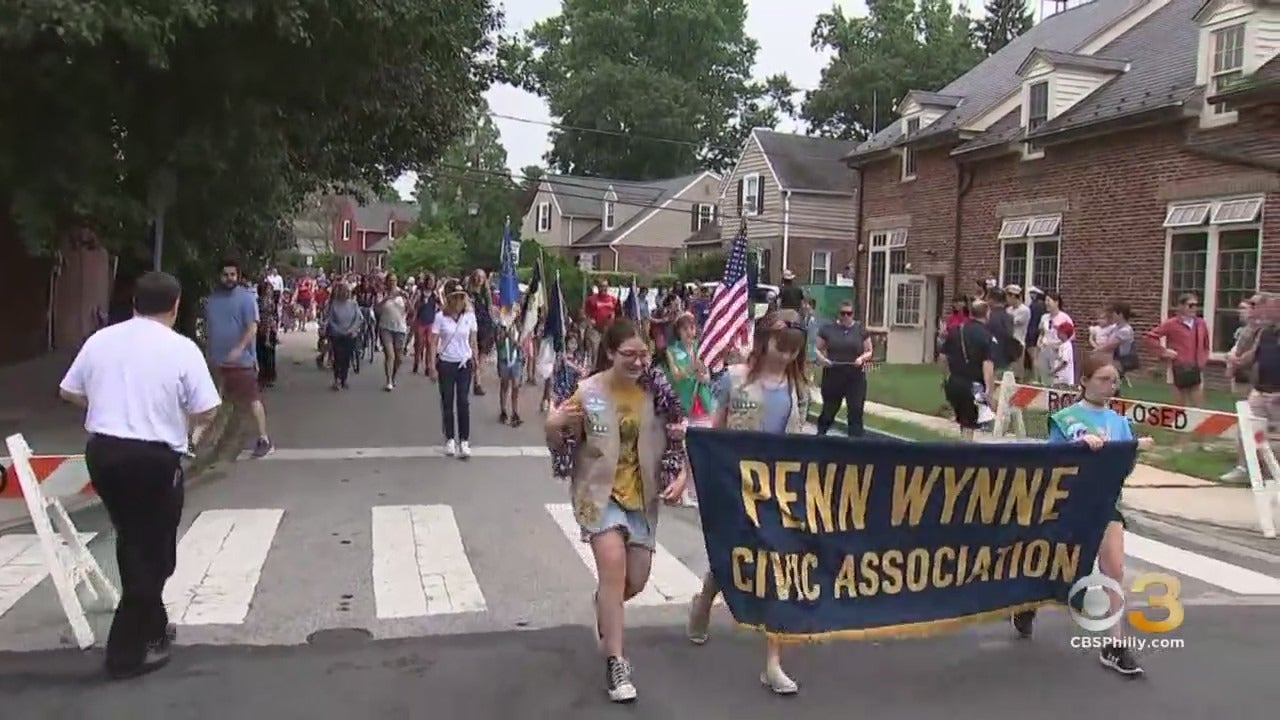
(464, 449)
(778, 681)
(450, 448)
(390, 387)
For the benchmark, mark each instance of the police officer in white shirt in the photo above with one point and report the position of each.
(144, 387)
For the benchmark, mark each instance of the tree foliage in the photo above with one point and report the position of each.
(1003, 21)
(657, 88)
(246, 105)
(470, 191)
(436, 250)
(877, 59)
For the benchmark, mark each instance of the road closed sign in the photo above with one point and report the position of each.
(1168, 417)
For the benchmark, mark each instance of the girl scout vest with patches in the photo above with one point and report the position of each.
(596, 455)
(746, 404)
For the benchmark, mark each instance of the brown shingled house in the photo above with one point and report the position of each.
(1119, 149)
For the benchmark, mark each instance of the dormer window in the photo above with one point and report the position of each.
(391, 227)
(1036, 114)
(910, 127)
(1226, 61)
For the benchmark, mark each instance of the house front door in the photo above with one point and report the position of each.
(909, 341)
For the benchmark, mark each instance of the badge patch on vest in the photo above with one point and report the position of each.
(595, 421)
(742, 402)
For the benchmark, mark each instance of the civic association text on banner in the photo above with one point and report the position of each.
(813, 537)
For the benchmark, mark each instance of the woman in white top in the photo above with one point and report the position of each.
(453, 344)
(393, 329)
(1056, 356)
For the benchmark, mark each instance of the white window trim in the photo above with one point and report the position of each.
(346, 230)
(609, 218)
(544, 217)
(1029, 151)
(1029, 230)
(1208, 117)
(826, 266)
(750, 200)
(882, 241)
(709, 217)
(1208, 303)
(906, 281)
(391, 228)
(908, 153)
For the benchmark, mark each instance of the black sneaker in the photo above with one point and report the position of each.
(502, 418)
(1121, 660)
(1024, 623)
(157, 656)
(617, 674)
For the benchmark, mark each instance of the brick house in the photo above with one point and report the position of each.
(362, 234)
(800, 203)
(1084, 157)
(622, 225)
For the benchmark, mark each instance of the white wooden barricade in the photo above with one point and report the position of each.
(68, 558)
(1257, 451)
(1006, 412)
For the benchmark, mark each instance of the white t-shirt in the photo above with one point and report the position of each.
(453, 337)
(142, 380)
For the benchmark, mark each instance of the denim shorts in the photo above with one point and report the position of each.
(633, 524)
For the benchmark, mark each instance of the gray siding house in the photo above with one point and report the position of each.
(800, 203)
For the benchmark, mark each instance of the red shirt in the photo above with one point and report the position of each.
(1191, 343)
(305, 287)
(601, 308)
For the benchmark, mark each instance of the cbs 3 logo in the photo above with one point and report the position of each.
(1163, 592)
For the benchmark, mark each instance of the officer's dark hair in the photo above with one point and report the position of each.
(156, 293)
(229, 263)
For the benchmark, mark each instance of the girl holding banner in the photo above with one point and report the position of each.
(768, 393)
(620, 440)
(1092, 422)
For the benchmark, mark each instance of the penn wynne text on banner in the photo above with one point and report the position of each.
(823, 537)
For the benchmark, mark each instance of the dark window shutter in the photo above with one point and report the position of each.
(715, 214)
(693, 219)
(740, 181)
(760, 195)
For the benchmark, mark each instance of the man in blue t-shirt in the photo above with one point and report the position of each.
(231, 323)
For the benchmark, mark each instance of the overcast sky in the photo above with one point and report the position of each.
(781, 28)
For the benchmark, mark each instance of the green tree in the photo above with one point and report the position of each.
(1004, 20)
(897, 47)
(470, 191)
(242, 108)
(659, 88)
(436, 250)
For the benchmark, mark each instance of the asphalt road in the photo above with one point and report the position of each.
(292, 599)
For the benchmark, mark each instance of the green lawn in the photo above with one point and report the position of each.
(918, 388)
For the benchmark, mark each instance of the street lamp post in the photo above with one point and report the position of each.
(160, 195)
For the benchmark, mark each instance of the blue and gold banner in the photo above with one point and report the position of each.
(813, 537)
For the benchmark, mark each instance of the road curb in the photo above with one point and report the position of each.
(220, 444)
(842, 425)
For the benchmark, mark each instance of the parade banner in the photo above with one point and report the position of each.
(816, 537)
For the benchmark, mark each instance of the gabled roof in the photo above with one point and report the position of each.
(647, 196)
(376, 215)
(803, 163)
(996, 78)
(1095, 63)
(924, 98)
(1161, 75)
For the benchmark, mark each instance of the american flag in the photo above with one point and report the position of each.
(727, 321)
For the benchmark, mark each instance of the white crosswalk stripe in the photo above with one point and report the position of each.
(419, 564)
(424, 566)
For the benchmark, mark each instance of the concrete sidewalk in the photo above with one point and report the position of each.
(1148, 490)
